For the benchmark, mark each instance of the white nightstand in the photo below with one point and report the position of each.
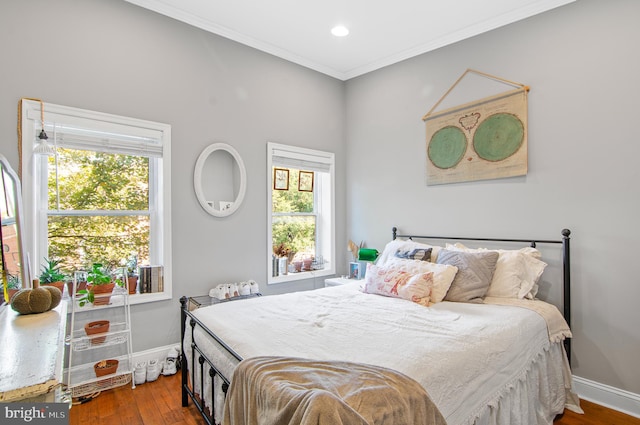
(335, 281)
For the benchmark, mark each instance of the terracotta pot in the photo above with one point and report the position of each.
(79, 287)
(133, 283)
(100, 293)
(11, 292)
(97, 327)
(105, 367)
(59, 284)
(306, 264)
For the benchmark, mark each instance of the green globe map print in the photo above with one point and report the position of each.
(498, 137)
(481, 140)
(447, 147)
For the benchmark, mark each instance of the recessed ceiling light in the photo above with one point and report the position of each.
(340, 31)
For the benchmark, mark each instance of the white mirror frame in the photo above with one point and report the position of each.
(197, 179)
(17, 195)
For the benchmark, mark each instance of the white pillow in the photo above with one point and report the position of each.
(389, 251)
(517, 271)
(392, 247)
(443, 274)
(396, 283)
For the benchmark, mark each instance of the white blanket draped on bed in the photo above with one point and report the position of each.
(462, 354)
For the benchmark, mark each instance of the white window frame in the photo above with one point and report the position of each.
(35, 199)
(324, 206)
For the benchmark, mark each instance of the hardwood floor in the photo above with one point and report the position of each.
(152, 403)
(159, 403)
(595, 414)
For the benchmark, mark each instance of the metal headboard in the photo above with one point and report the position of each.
(566, 264)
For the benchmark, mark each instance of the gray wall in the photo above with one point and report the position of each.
(581, 64)
(111, 56)
(579, 61)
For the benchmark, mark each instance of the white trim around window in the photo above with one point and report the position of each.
(107, 133)
(324, 200)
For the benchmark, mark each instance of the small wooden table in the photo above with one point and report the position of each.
(32, 353)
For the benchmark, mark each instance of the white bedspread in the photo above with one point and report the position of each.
(467, 356)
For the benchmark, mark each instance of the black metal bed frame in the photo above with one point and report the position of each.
(566, 265)
(188, 368)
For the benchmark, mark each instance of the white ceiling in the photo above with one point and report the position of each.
(382, 32)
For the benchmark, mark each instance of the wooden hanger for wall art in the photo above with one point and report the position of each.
(519, 86)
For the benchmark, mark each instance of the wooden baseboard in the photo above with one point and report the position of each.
(158, 353)
(608, 396)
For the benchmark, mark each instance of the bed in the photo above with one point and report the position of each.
(484, 353)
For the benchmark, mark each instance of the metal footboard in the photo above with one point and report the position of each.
(198, 360)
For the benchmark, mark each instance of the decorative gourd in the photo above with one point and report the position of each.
(36, 300)
(56, 295)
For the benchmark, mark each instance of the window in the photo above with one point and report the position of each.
(301, 242)
(104, 196)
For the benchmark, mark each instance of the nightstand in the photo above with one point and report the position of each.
(336, 281)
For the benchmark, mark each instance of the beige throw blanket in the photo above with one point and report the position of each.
(557, 327)
(293, 391)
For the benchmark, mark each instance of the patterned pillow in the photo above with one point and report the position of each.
(475, 270)
(393, 282)
(443, 274)
(422, 254)
(392, 247)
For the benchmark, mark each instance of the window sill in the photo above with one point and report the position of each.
(291, 277)
(133, 299)
(148, 298)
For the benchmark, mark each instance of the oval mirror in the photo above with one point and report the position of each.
(220, 179)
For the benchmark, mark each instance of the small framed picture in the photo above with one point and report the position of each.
(354, 270)
(280, 179)
(305, 181)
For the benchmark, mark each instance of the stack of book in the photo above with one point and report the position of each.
(151, 279)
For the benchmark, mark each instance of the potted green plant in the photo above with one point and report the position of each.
(100, 283)
(13, 285)
(51, 274)
(80, 281)
(132, 273)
